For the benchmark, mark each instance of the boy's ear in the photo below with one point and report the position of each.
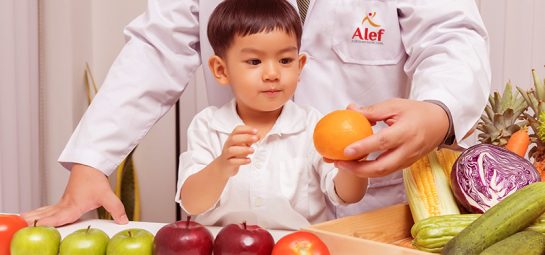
(218, 68)
(302, 61)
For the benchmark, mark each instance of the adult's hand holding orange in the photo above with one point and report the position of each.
(87, 189)
(414, 129)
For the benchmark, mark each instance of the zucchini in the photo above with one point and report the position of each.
(522, 243)
(516, 212)
(432, 236)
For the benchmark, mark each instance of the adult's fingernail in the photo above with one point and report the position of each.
(349, 152)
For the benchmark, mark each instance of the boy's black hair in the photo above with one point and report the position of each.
(247, 17)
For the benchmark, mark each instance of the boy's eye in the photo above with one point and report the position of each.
(286, 60)
(253, 61)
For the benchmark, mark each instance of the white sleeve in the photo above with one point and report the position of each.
(202, 148)
(327, 173)
(448, 50)
(149, 75)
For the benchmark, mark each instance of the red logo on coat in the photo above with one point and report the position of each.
(369, 31)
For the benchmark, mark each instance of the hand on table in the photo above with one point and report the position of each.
(414, 129)
(87, 189)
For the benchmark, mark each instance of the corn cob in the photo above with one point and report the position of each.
(427, 186)
(446, 159)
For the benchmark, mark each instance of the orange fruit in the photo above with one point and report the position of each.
(339, 129)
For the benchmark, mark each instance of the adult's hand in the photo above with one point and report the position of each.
(414, 129)
(87, 189)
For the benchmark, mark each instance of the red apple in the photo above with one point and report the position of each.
(183, 238)
(236, 239)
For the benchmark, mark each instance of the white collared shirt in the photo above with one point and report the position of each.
(287, 185)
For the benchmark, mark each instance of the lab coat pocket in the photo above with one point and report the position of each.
(367, 32)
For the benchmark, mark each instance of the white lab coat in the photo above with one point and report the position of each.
(418, 49)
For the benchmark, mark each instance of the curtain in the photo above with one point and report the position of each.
(20, 177)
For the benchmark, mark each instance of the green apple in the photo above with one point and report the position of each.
(89, 241)
(35, 240)
(135, 241)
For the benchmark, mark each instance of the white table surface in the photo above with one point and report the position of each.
(112, 228)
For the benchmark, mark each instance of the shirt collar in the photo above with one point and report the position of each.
(291, 120)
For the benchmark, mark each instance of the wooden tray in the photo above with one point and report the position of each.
(385, 231)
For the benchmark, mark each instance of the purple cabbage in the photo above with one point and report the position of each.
(485, 174)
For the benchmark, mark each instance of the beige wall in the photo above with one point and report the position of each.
(517, 39)
(73, 32)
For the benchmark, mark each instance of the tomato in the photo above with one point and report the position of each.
(9, 224)
(300, 243)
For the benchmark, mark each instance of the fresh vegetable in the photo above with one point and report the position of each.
(521, 243)
(485, 174)
(514, 213)
(427, 187)
(433, 233)
(519, 141)
(300, 243)
(9, 224)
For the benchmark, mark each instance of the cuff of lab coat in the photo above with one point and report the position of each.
(87, 157)
(450, 137)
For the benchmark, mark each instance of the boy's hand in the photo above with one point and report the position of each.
(237, 148)
(415, 128)
(87, 189)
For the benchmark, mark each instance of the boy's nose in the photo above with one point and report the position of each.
(271, 72)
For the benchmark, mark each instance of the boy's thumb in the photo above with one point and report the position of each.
(113, 205)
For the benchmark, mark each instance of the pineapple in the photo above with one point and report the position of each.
(499, 120)
(535, 98)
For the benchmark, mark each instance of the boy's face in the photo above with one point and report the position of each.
(262, 69)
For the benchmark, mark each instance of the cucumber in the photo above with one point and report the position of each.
(516, 212)
(522, 243)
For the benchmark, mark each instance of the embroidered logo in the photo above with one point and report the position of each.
(369, 31)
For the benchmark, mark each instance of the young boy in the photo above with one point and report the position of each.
(253, 159)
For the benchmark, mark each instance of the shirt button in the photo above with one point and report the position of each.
(259, 202)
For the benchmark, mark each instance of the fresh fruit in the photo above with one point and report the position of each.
(338, 129)
(89, 241)
(235, 239)
(9, 224)
(300, 243)
(36, 240)
(134, 241)
(500, 118)
(183, 237)
(535, 99)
